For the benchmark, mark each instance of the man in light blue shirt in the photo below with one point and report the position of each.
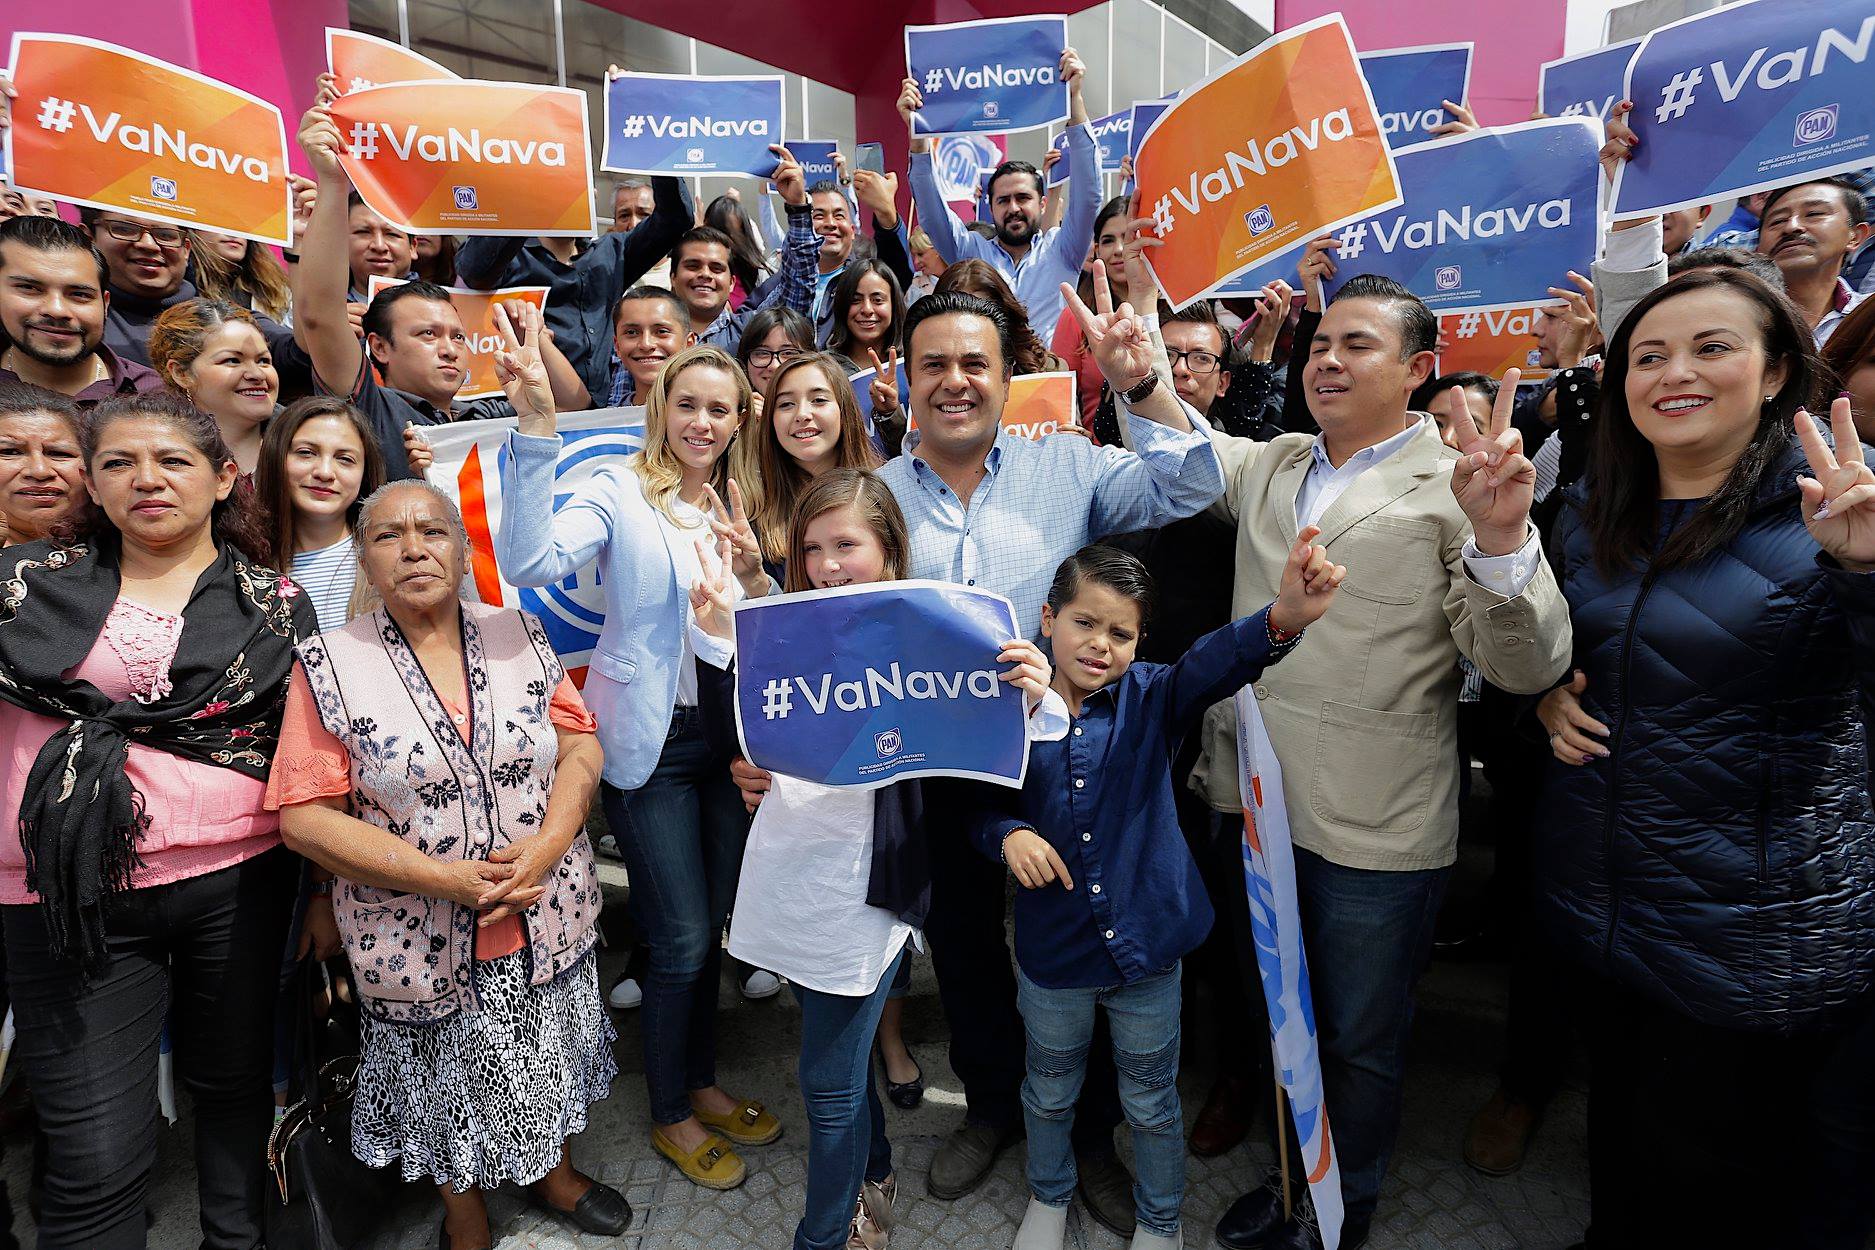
(1035, 265)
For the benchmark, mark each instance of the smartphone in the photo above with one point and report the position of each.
(872, 156)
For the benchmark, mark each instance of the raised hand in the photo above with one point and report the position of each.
(789, 178)
(1272, 310)
(910, 100)
(884, 388)
(731, 524)
(1493, 480)
(319, 138)
(1461, 121)
(1308, 585)
(1582, 329)
(1072, 70)
(1030, 672)
(1572, 731)
(879, 194)
(1034, 862)
(711, 600)
(1142, 288)
(1316, 267)
(1619, 139)
(1839, 499)
(305, 194)
(519, 369)
(417, 450)
(1116, 338)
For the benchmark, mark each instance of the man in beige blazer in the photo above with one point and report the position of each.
(1442, 562)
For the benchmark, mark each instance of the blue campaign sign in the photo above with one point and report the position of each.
(816, 159)
(1748, 97)
(679, 124)
(995, 76)
(1492, 219)
(867, 685)
(1588, 84)
(1144, 113)
(1113, 133)
(1410, 86)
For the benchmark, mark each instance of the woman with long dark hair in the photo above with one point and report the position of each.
(1027, 351)
(142, 674)
(748, 265)
(1069, 343)
(318, 461)
(1705, 846)
(868, 314)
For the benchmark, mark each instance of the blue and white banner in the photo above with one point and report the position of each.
(1269, 870)
(962, 163)
(995, 76)
(1411, 85)
(1144, 113)
(1588, 84)
(816, 159)
(1748, 97)
(682, 124)
(1113, 133)
(471, 459)
(867, 685)
(1492, 219)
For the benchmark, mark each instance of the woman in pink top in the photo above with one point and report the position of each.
(142, 674)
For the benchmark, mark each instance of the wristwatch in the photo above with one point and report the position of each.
(1146, 386)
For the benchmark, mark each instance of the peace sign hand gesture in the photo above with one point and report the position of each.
(710, 599)
(731, 525)
(1493, 480)
(884, 388)
(518, 367)
(1116, 338)
(1839, 501)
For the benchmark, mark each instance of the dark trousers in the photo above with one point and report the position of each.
(682, 834)
(205, 953)
(1707, 1136)
(1218, 852)
(977, 984)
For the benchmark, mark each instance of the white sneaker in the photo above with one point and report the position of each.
(1043, 1227)
(760, 984)
(627, 995)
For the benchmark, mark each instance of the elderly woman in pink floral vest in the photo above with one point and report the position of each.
(435, 758)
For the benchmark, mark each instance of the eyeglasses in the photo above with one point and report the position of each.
(131, 231)
(762, 357)
(1196, 363)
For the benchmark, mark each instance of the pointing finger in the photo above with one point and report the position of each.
(1060, 869)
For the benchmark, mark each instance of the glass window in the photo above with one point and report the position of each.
(375, 17)
(505, 39)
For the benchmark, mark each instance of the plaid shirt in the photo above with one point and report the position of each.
(1041, 501)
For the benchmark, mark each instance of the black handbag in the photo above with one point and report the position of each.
(319, 1195)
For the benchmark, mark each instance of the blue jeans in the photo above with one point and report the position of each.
(1368, 935)
(681, 834)
(1143, 1018)
(846, 1141)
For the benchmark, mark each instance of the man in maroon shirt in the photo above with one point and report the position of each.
(53, 299)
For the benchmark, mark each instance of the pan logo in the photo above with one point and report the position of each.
(888, 743)
(694, 155)
(465, 197)
(1259, 220)
(1816, 125)
(163, 188)
(1447, 278)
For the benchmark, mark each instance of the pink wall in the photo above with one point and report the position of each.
(1513, 40)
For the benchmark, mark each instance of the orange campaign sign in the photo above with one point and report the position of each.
(465, 156)
(1038, 404)
(110, 128)
(477, 310)
(1491, 342)
(1281, 145)
(361, 61)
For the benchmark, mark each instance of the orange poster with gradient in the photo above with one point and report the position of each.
(1279, 146)
(471, 157)
(104, 126)
(477, 310)
(361, 61)
(1490, 343)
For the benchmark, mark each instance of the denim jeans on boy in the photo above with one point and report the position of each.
(681, 834)
(1143, 1019)
(846, 1140)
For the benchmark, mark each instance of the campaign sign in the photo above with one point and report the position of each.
(358, 61)
(1491, 342)
(866, 685)
(815, 157)
(1277, 147)
(1112, 133)
(1411, 85)
(110, 128)
(962, 163)
(1140, 119)
(477, 310)
(1747, 97)
(1492, 218)
(1588, 84)
(463, 156)
(995, 76)
(472, 456)
(682, 124)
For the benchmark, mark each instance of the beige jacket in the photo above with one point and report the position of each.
(1364, 715)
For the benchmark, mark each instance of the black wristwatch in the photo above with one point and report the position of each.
(1139, 393)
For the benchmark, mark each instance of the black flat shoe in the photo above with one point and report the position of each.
(905, 1097)
(601, 1210)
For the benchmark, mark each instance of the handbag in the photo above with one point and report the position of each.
(320, 1196)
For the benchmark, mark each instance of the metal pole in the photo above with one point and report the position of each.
(559, 40)
(403, 22)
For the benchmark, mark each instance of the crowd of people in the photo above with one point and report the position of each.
(251, 718)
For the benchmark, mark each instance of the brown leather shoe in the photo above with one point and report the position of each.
(1225, 1119)
(1500, 1133)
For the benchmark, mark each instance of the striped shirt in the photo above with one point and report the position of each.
(327, 575)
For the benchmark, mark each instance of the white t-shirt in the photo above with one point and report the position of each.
(681, 540)
(327, 575)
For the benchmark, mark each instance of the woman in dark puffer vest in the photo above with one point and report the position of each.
(1706, 847)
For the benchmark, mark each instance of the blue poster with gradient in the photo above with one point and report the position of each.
(1112, 133)
(1588, 84)
(1748, 97)
(680, 124)
(995, 76)
(866, 685)
(816, 159)
(1411, 85)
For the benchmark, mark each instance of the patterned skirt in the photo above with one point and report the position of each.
(487, 1097)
